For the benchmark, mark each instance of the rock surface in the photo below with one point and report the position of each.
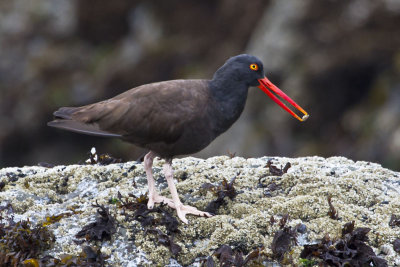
(363, 192)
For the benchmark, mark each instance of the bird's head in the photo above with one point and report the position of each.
(242, 68)
(250, 70)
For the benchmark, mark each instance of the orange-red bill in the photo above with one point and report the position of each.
(266, 86)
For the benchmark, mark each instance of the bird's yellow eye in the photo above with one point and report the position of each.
(254, 66)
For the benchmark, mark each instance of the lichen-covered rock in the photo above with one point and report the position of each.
(363, 192)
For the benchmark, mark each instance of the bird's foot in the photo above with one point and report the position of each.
(156, 198)
(182, 210)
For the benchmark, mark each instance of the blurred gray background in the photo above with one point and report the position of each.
(340, 60)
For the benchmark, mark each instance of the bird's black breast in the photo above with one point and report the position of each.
(174, 120)
(211, 116)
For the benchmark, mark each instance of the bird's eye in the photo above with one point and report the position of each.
(254, 66)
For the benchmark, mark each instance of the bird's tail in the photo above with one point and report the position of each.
(65, 112)
(64, 120)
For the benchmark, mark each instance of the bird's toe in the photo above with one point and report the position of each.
(182, 217)
(150, 205)
(207, 214)
(183, 210)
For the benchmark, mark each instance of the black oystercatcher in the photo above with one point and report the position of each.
(173, 118)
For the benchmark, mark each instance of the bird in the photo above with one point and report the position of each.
(174, 118)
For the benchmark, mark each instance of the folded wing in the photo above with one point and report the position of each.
(150, 113)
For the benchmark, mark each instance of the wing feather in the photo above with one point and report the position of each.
(146, 114)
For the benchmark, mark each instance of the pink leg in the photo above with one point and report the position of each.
(181, 209)
(154, 197)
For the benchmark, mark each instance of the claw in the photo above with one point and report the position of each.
(174, 203)
(150, 205)
(182, 210)
(156, 198)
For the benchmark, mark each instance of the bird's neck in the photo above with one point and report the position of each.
(229, 97)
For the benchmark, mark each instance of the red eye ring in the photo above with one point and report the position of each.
(253, 66)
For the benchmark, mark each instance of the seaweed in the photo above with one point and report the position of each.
(282, 242)
(225, 256)
(102, 229)
(31, 263)
(349, 250)
(283, 221)
(230, 154)
(348, 228)
(183, 176)
(307, 263)
(223, 190)
(89, 257)
(272, 220)
(169, 221)
(105, 159)
(272, 187)
(333, 214)
(102, 159)
(2, 185)
(21, 241)
(208, 262)
(396, 245)
(142, 213)
(165, 240)
(283, 238)
(113, 201)
(55, 218)
(394, 220)
(275, 171)
(228, 257)
(139, 207)
(12, 177)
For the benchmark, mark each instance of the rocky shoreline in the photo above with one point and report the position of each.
(68, 198)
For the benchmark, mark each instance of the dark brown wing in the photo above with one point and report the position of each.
(156, 112)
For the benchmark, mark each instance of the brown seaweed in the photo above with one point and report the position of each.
(333, 213)
(21, 241)
(143, 215)
(228, 257)
(349, 250)
(394, 220)
(165, 240)
(396, 245)
(102, 229)
(102, 159)
(276, 171)
(89, 257)
(223, 190)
